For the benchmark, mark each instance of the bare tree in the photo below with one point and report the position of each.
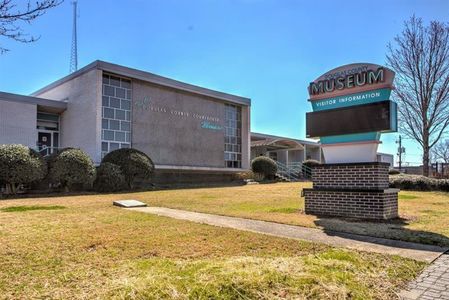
(420, 58)
(12, 14)
(441, 151)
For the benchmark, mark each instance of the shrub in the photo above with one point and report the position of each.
(247, 175)
(71, 168)
(133, 163)
(265, 166)
(414, 182)
(393, 172)
(109, 178)
(311, 163)
(443, 185)
(244, 175)
(20, 165)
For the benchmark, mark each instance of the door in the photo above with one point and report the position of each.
(44, 143)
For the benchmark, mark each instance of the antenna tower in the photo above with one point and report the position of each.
(74, 49)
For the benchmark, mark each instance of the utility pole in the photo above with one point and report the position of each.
(400, 151)
(74, 50)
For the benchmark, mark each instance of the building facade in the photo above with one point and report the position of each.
(386, 158)
(103, 107)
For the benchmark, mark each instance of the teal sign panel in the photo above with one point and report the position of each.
(350, 138)
(394, 116)
(352, 99)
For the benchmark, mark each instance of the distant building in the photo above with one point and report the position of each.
(283, 149)
(290, 151)
(385, 157)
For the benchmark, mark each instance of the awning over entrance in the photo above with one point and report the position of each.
(274, 144)
(45, 105)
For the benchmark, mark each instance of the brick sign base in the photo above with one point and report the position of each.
(354, 190)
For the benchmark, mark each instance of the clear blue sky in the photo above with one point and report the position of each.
(267, 50)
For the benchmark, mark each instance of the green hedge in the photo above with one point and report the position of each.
(265, 166)
(20, 165)
(133, 163)
(418, 183)
(110, 178)
(71, 169)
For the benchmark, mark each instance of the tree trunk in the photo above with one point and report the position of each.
(425, 152)
(425, 158)
(425, 162)
(11, 189)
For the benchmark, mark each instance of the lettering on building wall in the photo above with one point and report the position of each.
(212, 126)
(346, 79)
(145, 104)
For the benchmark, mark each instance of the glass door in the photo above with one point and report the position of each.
(44, 143)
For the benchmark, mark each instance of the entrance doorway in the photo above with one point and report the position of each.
(47, 133)
(47, 142)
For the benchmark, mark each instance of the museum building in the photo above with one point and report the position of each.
(102, 107)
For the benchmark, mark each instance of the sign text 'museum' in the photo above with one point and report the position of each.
(348, 81)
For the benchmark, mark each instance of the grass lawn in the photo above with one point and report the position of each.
(424, 215)
(81, 247)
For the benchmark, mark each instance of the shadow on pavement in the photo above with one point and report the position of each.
(378, 231)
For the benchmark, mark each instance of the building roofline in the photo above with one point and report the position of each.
(263, 135)
(57, 106)
(383, 153)
(148, 77)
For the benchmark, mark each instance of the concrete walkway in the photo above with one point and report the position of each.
(415, 251)
(433, 283)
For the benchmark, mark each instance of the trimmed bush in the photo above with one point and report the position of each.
(109, 178)
(71, 168)
(265, 166)
(311, 163)
(415, 182)
(443, 185)
(393, 172)
(133, 163)
(248, 175)
(244, 175)
(20, 165)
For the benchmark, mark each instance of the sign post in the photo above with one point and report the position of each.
(351, 109)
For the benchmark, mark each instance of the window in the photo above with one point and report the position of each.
(47, 121)
(233, 136)
(116, 121)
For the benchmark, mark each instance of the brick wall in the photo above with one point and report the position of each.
(355, 190)
(353, 204)
(373, 176)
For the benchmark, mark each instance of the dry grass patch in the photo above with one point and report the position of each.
(93, 250)
(424, 215)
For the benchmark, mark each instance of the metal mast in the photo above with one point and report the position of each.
(74, 50)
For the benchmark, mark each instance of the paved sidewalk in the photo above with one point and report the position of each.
(432, 284)
(415, 251)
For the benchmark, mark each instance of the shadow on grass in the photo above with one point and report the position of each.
(30, 207)
(380, 232)
(59, 193)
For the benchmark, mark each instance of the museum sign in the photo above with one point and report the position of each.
(351, 108)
